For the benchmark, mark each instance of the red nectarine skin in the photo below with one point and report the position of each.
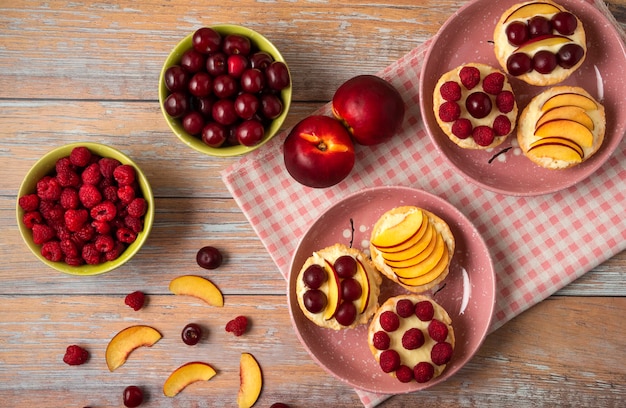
(371, 108)
(318, 152)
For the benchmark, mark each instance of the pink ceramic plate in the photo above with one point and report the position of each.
(468, 293)
(467, 37)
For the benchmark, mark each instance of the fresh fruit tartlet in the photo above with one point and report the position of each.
(338, 287)
(412, 247)
(539, 42)
(561, 127)
(475, 106)
(412, 338)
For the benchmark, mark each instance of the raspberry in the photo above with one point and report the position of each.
(470, 77)
(438, 330)
(137, 207)
(135, 300)
(51, 250)
(109, 193)
(31, 218)
(449, 111)
(48, 188)
(105, 211)
(493, 83)
(86, 233)
(76, 219)
(237, 326)
(126, 194)
(389, 360)
(125, 235)
(75, 355)
(51, 212)
(424, 310)
(42, 233)
(89, 195)
(389, 321)
(29, 202)
(104, 243)
(505, 101)
(423, 372)
(412, 339)
(462, 128)
(107, 166)
(134, 223)
(404, 374)
(90, 254)
(91, 174)
(501, 125)
(441, 353)
(80, 156)
(62, 231)
(483, 135)
(101, 227)
(405, 308)
(124, 174)
(68, 247)
(69, 198)
(64, 164)
(68, 178)
(74, 261)
(450, 91)
(115, 252)
(381, 340)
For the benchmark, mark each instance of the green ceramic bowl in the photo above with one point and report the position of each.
(45, 166)
(263, 44)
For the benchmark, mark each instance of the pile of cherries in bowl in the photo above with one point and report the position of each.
(225, 90)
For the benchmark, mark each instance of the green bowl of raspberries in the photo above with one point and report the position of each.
(85, 208)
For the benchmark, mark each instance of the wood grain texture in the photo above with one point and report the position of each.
(75, 71)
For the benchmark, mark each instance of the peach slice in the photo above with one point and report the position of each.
(415, 249)
(542, 42)
(250, 381)
(430, 276)
(416, 259)
(558, 140)
(532, 9)
(412, 240)
(185, 375)
(575, 113)
(198, 287)
(556, 151)
(426, 265)
(361, 277)
(569, 99)
(567, 129)
(400, 232)
(334, 292)
(127, 340)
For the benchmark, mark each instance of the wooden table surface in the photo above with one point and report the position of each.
(88, 71)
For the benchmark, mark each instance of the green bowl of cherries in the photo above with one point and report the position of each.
(225, 90)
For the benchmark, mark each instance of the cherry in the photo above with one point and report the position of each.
(133, 396)
(519, 64)
(204, 105)
(544, 62)
(176, 104)
(345, 266)
(478, 104)
(271, 106)
(346, 313)
(200, 84)
(224, 112)
(176, 78)
(225, 86)
(206, 40)
(236, 44)
(538, 26)
(246, 105)
(237, 64)
(209, 257)
(193, 122)
(517, 33)
(214, 134)
(261, 60)
(350, 289)
(314, 276)
(277, 75)
(314, 300)
(250, 132)
(192, 61)
(252, 80)
(216, 64)
(569, 55)
(565, 23)
(191, 334)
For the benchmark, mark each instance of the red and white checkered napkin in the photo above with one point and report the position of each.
(538, 244)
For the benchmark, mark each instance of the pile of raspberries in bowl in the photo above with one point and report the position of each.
(85, 208)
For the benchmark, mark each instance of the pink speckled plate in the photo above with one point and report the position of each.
(468, 293)
(467, 37)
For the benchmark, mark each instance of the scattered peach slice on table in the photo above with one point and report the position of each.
(198, 287)
(251, 381)
(185, 375)
(127, 340)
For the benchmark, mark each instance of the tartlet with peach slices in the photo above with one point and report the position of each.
(561, 127)
(338, 287)
(412, 247)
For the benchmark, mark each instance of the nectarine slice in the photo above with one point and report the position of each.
(426, 265)
(568, 129)
(430, 276)
(556, 151)
(198, 287)
(333, 293)
(185, 375)
(416, 259)
(575, 113)
(400, 232)
(569, 99)
(127, 340)
(416, 249)
(361, 277)
(411, 241)
(250, 381)
(535, 44)
(532, 9)
(558, 141)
